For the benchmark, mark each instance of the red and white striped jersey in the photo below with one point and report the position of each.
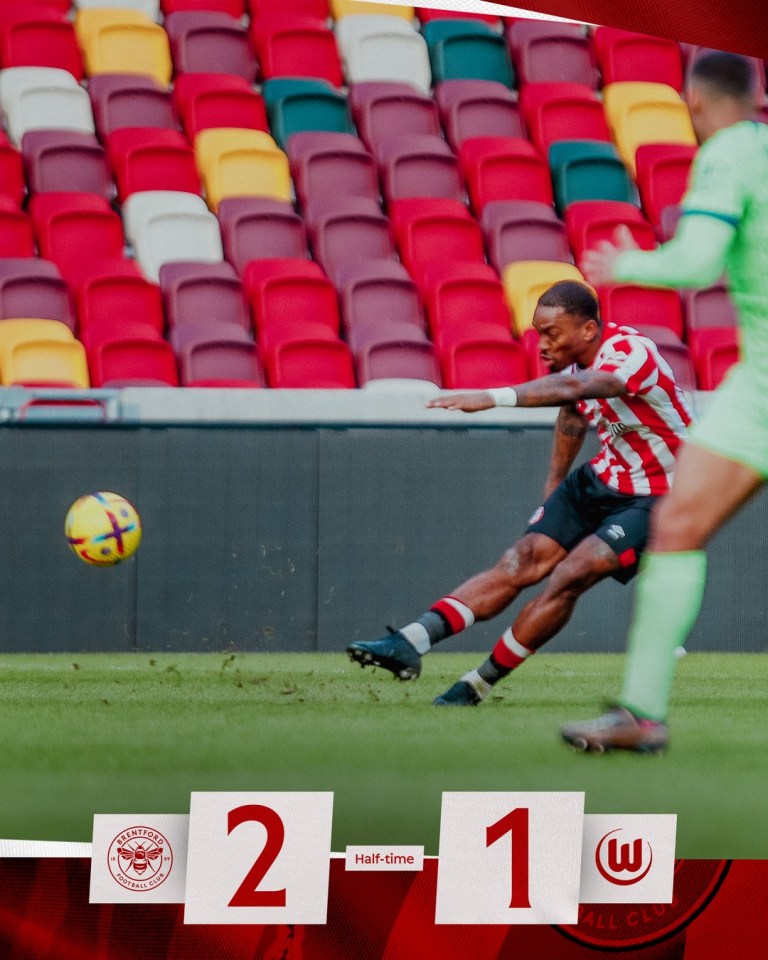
(640, 433)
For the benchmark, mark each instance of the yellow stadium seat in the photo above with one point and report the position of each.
(123, 41)
(47, 362)
(641, 113)
(18, 329)
(241, 163)
(525, 281)
(345, 8)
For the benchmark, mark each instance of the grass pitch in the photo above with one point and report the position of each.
(85, 734)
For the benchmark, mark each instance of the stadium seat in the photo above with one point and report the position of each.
(210, 42)
(105, 301)
(208, 100)
(478, 108)
(363, 334)
(625, 56)
(16, 234)
(207, 329)
(46, 106)
(234, 8)
(670, 216)
(419, 166)
(133, 362)
(708, 308)
(483, 364)
(296, 47)
(562, 111)
(549, 52)
(346, 8)
(348, 230)
(255, 228)
(467, 50)
(436, 229)
(12, 183)
(297, 105)
(66, 160)
(116, 40)
(31, 287)
(588, 170)
(47, 363)
(169, 237)
(310, 364)
(590, 221)
(15, 81)
(714, 351)
(143, 205)
(427, 14)
(263, 9)
(646, 306)
(523, 230)
(378, 301)
(197, 292)
(525, 281)
(73, 227)
(382, 110)
(397, 359)
(129, 100)
(150, 8)
(383, 48)
(220, 363)
(241, 163)
(33, 37)
(662, 176)
(151, 158)
(17, 331)
(465, 302)
(330, 165)
(504, 168)
(641, 113)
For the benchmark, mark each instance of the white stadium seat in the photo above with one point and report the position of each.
(170, 237)
(142, 206)
(383, 48)
(49, 108)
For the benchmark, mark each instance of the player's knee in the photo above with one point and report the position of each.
(674, 526)
(522, 567)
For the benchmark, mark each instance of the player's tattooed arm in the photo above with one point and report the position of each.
(570, 430)
(550, 391)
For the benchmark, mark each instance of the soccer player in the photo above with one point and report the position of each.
(594, 521)
(724, 226)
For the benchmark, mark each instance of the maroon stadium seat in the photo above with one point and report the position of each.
(348, 230)
(714, 350)
(434, 229)
(504, 168)
(419, 166)
(384, 110)
(397, 359)
(478, 108)
(150, 158)
(310, 364)
(523, 230)
(711, 307)
(668, 221)
(129, 100)
(31, 287)
(622, 55)
(631, 305)
(662, 176)
(65, 161)
(562, 111)
(210, 42)
(590, 221)
(483, 364)
(196, 292)
(325, 165)
(205, 100)
(255, 228)
(293, 46)
(378, 296)
(220, 363)
(549, 52)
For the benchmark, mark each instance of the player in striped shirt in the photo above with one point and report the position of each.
(593, 523)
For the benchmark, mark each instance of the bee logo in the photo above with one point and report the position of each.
(140, 858)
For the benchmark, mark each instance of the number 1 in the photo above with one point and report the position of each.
(515, 823)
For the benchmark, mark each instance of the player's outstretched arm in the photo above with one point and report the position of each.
(552, 391)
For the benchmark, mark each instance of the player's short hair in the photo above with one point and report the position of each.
(726, 74)
(575, 298)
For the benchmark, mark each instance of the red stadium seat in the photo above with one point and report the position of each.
(197, 292)
(523, 230)
(662, 176)
(384, 110)
(16, 235)
(483, 364)
(315, 9)
(12, 183)
(255, 228)
(623, 55)
(210, 42)
(350, 229)
(429, 230)
(549, 52)
(562, 111)
(129, 100)
(465, 301)
(708, 308)
(293, 46)
(419, 166)
(30, 287)
(64, 161)
(330, 165)
(206, 100)
(311, 364)
(590, 221)
(133, 362)
(150, 158)
(108, 301)
(38, 37)
(714, 350)
(630, 305)
(398, 359)
(478, 108)
(285, 293)
(76, 230)
(504, 168)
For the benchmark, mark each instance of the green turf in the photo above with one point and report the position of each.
(138, 733)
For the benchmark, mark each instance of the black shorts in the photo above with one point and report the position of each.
(583, 505)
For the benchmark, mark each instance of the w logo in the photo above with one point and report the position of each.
(614, 859)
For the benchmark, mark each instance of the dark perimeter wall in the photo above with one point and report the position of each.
(259, 539)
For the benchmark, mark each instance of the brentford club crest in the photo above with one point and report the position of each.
(140, 859)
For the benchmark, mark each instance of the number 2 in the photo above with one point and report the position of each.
(516, 823)
(247, 894)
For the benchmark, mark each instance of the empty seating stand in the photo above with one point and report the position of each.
(208, 100)
(591, 221)
(195, 293)
(646, 306)
(435, 230)
(238, 163)
(588, 170)
(348, 230)
(32, 287)
(129, 100)
(327, 165)
(65, 161)
(383, 48)
(478, 108)
(623, 55)
(562, 111)
(523, 230)
(504, 168)
(468, 50)
(291, 46)
(204, 41)
(119, 40)
(662, 176)
(151, 158)
(257, 228)
(383, 110)
(551, 52)
(419, 166)
(297, 105)
(35, 35)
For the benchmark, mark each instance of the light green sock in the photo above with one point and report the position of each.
(669, 593)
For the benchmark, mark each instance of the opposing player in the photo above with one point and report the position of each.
(725, 226)
(594, 521)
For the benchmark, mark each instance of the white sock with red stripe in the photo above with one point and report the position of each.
(508, 653)
(445, 618)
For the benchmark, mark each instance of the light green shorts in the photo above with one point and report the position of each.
(735, 424)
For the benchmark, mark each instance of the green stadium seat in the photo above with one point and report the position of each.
(588, 170)
(467, 50)
(295, 105)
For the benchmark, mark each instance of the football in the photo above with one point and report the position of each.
(102, 529)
